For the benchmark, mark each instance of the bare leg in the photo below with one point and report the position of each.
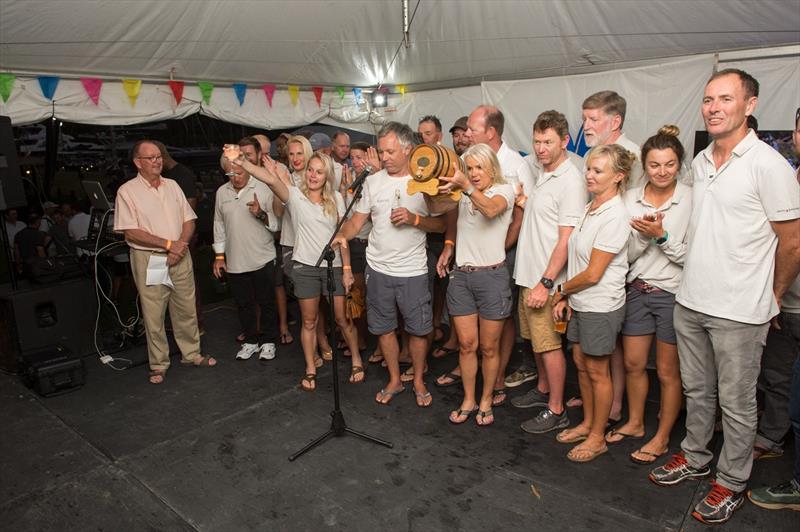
(490, 333)
(308, 336)
(506, 347)
(669, 376)
(349, 334)
(467, 330)
(418, 349)
(280, 303)
(636, 349)
(618, 381)
(391, 352)
(554, 366)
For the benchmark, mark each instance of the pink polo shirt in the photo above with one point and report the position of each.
(161, 211)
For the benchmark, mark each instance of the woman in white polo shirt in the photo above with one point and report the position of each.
(593, 297)
(478, 294)
(660, 212)
(315, 209)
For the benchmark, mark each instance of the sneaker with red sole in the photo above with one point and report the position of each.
(677, 470)
(718, 505)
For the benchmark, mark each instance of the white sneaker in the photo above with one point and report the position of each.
(267, 352)
(246, 351)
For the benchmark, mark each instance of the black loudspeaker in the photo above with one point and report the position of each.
(37, 317)
(10, 179)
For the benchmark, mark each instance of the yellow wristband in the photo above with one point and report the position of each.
(220, 257)
(169, 245)
(416, 221)
(347, 267)
(450, 242)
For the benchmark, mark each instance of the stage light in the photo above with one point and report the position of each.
(379, 99)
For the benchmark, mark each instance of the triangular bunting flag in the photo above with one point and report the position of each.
(132, 88)
(48, 85)
(340, 90)
(357, 94)
(294, 93)
(318, 95)
(269, 90)
(92, 87)
(177, 90)
(6, 84)
(206, 88)
(240, 89)
(401, 89)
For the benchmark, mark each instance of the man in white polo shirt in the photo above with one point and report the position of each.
(603, 118)
(743, 253)
(555, 206)
(244, 248)
(397, 269)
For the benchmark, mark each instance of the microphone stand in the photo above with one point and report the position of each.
(338, 426)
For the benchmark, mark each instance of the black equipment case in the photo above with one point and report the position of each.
(52, 371)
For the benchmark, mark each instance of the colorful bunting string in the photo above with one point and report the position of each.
(340, 90)
(357, 94)
(177, 90)
(92, 87)
(48, 84)
(401, 89)
(269, 91)
(294, 93)
(241, 90)
(206, 88)
(6, 84)
(318, 95)
(132, 88)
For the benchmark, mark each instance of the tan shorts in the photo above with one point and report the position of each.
(536, 324)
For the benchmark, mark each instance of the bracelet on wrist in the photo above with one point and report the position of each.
(219, 257)
(169, 245)
(449, 243)
(416, 220)
(347, 267)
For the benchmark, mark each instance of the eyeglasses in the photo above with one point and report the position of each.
(152, 158)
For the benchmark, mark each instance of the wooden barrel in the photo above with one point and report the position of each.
(432, 162)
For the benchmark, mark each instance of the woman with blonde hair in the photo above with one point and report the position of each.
(478, 293)
(314, 208)
(593, 297)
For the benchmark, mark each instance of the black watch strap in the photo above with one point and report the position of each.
(547, 283)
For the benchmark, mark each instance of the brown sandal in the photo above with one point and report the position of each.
(311, 379)
(357, 370)
(157, 376)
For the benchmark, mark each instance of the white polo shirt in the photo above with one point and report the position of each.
(515, 169)
(607, 229)
(558, 200)
(637, 177)
(480, 241)
(287, 228)
(312, 227)
(660, 265)
(730, 261)
(392, 250)
(248, 244)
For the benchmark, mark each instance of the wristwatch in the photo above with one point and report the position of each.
(547, 283)
(468, 192)
(661, 240)
(262, 215)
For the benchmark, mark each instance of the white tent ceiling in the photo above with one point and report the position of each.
(359, 42)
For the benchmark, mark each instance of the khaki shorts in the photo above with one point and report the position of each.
(536, 324)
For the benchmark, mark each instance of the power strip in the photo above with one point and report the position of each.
(105, 359)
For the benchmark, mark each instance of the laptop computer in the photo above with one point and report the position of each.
(97, 195)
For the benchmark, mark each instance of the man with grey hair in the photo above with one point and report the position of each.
(397, 269)
(341, 148)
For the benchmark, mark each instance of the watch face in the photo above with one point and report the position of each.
(547, 283)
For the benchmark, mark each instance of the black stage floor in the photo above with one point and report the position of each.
(208, 451)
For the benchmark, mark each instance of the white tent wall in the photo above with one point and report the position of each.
(666, 93)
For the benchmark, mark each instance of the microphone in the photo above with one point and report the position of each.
(360, 178)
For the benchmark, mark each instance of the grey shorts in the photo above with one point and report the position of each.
(358, 255)
(385, 294)
(485, 293)
(596, 331)
(648, 313)
(312, 281)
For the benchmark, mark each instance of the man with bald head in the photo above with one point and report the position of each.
(158, 223)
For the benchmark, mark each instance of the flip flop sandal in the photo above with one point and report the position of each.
(501, 392)
(574, 401)
(318, 362)
(561, 437)
(391, 395)
(480, 418)
(159, 374)
(454, 379)
(611, 423)
(286, 338)
(373, 359)
(311, 379)
(408, 374)
(327, 356)
(582, 456)
(421, 398)
(625, 436)
(639, 461)
(761, 453)
(205, 362)
(461, 412)
(443, 352)
(355, 371)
